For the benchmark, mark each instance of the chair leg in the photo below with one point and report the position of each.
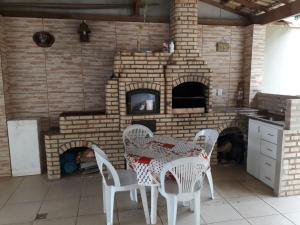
(172, 209)
(210, 182)
(154, 196)
(197, 202)
(104, 196)
(133, 196)
(110, 199)
(192, 205)
(145, 203)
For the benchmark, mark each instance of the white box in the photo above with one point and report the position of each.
(24, 145)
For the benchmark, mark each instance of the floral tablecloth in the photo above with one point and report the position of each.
(149, 158)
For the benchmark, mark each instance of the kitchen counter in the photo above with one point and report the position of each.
(256, 114)
(270, 121)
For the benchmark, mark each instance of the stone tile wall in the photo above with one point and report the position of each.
(71, 76)
(5, 169)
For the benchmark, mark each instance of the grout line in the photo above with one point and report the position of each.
(6, 202)
(46, 76)
(229, 69)
(259, 197)
(227, 201)
(276, 210)
(80, 198)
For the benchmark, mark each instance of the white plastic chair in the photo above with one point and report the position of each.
(136, 134)
(184, 185)
(210, 139)
(117, 181)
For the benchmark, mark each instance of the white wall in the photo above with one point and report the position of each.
(282, 60)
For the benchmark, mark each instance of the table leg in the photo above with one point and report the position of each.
(154, 196)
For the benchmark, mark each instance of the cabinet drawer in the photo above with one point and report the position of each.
(267, 170)
(268, 149)
(269, 134)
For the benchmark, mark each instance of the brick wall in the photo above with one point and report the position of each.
(155, 71)
(4, 151)
(292, 114)
(71, 76)
(290, 170)
(255, 36)
(109, 135)
(289, 183)
(276, 104)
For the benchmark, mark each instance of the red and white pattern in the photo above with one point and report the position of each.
(148, 160)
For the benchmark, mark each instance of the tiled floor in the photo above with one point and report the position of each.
(240, 200)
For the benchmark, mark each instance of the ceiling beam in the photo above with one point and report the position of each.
(282, 12)
(63, 6)
(136, 7)
(227, 8)
(81, 16)
(252, 5)
(86, 16)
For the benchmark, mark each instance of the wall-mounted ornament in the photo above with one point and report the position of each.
(223, 46)
(84, 32)
(43, 39)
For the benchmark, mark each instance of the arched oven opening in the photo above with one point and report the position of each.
(190, 95)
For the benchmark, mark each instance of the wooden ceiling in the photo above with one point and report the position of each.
(252, 11)
(259, 11)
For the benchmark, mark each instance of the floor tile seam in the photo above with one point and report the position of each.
(226, 200)
(5, 203)
(277, 210)
(58, 218)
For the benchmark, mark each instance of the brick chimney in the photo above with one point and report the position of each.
(184, 25)
(186, 64)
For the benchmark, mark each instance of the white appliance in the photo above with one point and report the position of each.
(24, 145)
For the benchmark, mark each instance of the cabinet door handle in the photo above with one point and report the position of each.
(268, 164)
(258, 129)
(271, 135)
(268, 178)
(270, 150)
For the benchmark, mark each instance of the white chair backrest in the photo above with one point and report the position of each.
(210, 139)
(102, 161)
(187, 172)
(136, 134)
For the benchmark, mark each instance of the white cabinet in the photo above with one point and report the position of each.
(254, 134)
(264, 143)
(24, 145)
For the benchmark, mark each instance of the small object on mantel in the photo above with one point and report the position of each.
(171, 47)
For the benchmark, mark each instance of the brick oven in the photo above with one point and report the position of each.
(172, 92)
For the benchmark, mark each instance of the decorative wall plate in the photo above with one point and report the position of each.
(43, 39)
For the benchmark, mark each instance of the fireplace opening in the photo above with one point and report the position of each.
(231, 147)
(190, 95)
(78, 160)
(143, 101)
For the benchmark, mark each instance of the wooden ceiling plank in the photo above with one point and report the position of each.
(279, 13)
(252, 5)
(219, 5)
(63, 5)
(86, 16)
(136, 7)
